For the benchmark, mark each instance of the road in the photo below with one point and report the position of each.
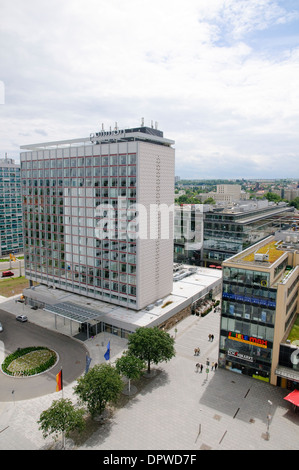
(72, 355)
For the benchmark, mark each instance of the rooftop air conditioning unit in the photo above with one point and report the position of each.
(261, 257)
(149, 307)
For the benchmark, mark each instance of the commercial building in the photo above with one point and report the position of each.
(260, 305)
(206, 235)
(192, 288)
(230, 230)
(225, 193)
(188, 233)
(92, 215)
(11, 233)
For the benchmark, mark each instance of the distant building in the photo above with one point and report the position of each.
(11, 234)
(290, 193)
(206, 235)
(260, 304)
(228, 231)
(225, 193)
(188, 233)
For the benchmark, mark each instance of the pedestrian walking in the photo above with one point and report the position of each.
(201, 367)
(212, 338)
(197, 366)
(213, 365)
(216, 365)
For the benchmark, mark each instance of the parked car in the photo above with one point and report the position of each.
(21, 318)
(1, 327)
(7, 274)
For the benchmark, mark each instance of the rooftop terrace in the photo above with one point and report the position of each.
(263, 255)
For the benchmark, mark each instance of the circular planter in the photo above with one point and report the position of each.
(29, 362)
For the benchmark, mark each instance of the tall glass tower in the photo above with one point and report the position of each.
(98, 215)
(11, 233)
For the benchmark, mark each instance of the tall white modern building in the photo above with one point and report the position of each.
(98, 215)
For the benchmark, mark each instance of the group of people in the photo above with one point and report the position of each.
(199, 366)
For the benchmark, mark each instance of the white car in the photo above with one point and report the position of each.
(1, 327)
(21, 318)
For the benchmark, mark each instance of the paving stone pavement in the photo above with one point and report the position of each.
(179, 408)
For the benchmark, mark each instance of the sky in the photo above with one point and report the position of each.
(221, 78)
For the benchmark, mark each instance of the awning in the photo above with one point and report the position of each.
(293, 397)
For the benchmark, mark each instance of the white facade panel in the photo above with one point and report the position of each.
(155, 255)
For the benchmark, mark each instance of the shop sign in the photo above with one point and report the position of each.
(245, 298)
(261, 343)
(239, 355)
(106, 135)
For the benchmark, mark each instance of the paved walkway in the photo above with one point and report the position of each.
(178, 409)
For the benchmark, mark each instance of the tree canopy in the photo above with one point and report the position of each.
(61, 417)
(101, 384)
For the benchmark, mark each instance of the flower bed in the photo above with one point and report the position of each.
(29, 361)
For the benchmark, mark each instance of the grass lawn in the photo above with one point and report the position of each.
(13, 286)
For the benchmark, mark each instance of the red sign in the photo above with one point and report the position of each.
(261, 343)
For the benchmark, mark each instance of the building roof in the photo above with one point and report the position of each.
(195, 285)
(262, 254)
(145, 134)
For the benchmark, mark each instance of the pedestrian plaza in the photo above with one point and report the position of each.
(179, 408)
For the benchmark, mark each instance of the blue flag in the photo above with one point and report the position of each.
(107, 353)
(88, 361)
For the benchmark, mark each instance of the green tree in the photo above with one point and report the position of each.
(151, 345)
(272, 197)
(210, 200)
(295, 202)
(102, 384)
(129, 366)
(185, 199)
(61, 417)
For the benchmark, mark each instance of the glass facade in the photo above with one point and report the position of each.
(62, 191)
(188, 234)
(247, 322)
(226, 234)
(10, 208)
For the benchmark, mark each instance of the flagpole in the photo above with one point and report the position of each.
(61, 384)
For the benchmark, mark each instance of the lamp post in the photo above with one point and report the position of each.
(269, 417)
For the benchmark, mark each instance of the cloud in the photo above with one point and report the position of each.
(195, 67)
